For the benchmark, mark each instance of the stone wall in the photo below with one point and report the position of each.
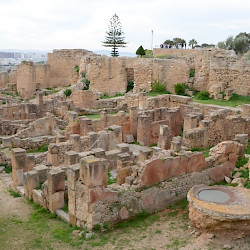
(221, 68)
(62, 63)
(175, 52)
(110, 75)
(8, 78)
(59, 71)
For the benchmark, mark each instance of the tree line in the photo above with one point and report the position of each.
(115, 38)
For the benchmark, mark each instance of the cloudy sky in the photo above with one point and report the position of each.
(56, 24)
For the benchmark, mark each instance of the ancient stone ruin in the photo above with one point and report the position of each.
(110, 159)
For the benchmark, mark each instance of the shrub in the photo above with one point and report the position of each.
(83, 74)
(158, 86)
(130, 86)
(3, 102)
(179, 88)
(203, 95)
(67, 92)
(87, 82)
(76, 68)
(191, 72)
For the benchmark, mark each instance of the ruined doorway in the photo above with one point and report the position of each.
(130, 79)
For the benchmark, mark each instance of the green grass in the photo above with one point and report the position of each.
(108, 97)
(234, 101)
(205, 151)
(136, 143)
(39, 149)
(247, 151)
(14, 194)
(156, 93)
(92, 116)
(40, 186)
(241, 162)
(111, 180)
(7, 169)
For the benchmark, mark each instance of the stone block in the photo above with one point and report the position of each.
(98, 152)
(56, 181)
(145, 154)
(118, 132)
(93, 171)
(124, 157)
(42, 171)
(99, 193)
(73, 175)
(56, 201)
(218, 173)
(123, 147)
(71, 158)
(122, 173)
(60, 138)
(128, 138)
(18, 166)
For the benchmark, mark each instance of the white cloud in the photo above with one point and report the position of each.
(27, 24)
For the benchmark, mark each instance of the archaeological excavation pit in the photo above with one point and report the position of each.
(220, 207)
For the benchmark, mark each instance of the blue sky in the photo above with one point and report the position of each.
(57, 24)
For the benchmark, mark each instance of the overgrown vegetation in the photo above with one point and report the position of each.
(67, 92)
(203, 95)
(205, 151)
(14, 194)
(192, 73)
(130, 86)
(158, 86)
(110, 179)
(92, 116)
(76, 68)
(179, 88)
(7, 169)
(39, 149)
(87, 83)
(106, 96)
(234, 101)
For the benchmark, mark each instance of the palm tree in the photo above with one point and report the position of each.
(192, 42)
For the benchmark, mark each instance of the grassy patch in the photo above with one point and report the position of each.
(92, 116)
(7, 169)
(40, 186)
(110, 179)
(142, 220)
(234, 101)
(223, 183)
(108, 97)
(247, 151)
(14, 194)
(205, 151)
(39, 149)
(241, 162)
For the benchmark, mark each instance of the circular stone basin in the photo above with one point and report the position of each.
(214, 195)
(220, 207)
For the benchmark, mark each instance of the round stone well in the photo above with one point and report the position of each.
(220, 207)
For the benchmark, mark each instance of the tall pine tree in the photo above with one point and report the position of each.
(114, 36)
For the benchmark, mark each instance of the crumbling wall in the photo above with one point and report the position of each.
(113, 72)
(217, 127)
(214, 67)
(8, 78)
(62, 64)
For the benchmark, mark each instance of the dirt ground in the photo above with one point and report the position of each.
(22, 228)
